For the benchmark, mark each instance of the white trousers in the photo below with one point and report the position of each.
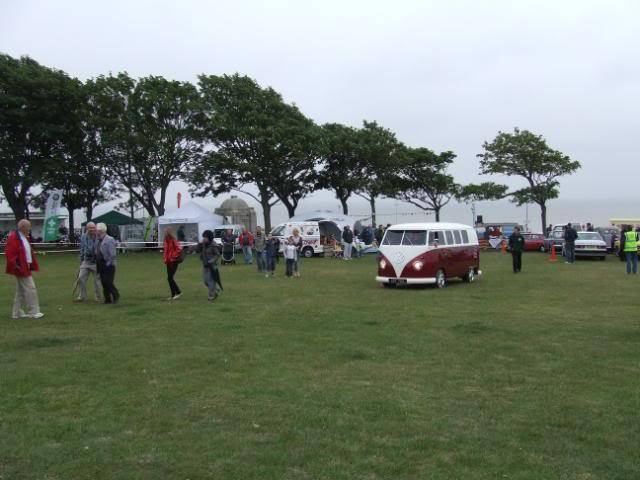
(26, 297)
(87, 269)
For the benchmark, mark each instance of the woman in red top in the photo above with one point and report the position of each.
(172, 255)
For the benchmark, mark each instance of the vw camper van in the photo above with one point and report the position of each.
(428, 253)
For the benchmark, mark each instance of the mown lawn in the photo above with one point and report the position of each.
(529, 376)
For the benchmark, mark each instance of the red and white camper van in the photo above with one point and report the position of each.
(428, 253)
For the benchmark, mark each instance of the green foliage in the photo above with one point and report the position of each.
(340, 161)
(258, 139)
(524, 154)
(379, 161)
(150, 133)
(423, 180)
(482, 191)
(36, 105)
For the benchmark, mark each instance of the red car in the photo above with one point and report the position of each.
(533, 242)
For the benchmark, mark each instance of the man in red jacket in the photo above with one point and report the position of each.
(246, 242)
(21, 261)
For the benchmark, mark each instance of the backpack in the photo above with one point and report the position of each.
(182, 256)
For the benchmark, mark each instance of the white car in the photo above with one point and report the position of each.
(591, 244)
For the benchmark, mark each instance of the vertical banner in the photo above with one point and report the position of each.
(179, 199)
(51, 219)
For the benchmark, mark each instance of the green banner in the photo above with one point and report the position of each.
(51, 229)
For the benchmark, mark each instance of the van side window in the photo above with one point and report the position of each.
(414, 237)
(392, 237)
(465, 236)
(449, 237)
(436, 238)
(456, 236)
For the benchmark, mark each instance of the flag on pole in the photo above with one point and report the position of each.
(51, 218)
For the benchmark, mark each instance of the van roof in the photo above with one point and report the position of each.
(430, 226)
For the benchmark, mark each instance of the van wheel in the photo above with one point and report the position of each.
(307, 252)
(441, 279)
(471, 276)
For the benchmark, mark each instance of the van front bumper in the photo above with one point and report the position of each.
(406, 281)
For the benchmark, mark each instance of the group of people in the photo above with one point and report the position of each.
(516, 246)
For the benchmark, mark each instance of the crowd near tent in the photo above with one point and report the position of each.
(194, 218)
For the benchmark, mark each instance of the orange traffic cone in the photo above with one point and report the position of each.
(553, 257)
(503, 247)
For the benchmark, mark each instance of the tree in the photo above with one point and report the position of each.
(256, 138)
(524, 154)
(423, 180)
(339, 171)
(77, 166)
(34, 106)
(151, 134)
(379, 158)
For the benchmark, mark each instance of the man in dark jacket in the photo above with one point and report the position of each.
(347, 241)
(516, 245)
(570, 237)
(209, 255)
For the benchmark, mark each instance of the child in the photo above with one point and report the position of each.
(271, 247)
(290, 254)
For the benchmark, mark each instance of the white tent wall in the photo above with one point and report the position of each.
(193, 217)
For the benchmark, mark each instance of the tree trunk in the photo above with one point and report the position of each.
(18, 206)
(89, 211)
(72, 233)
(266, 211)
(345, 207)
(291, 210)
(436, 211)
(543, 216)
(372, 202)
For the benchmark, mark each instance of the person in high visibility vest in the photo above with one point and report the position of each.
(630, 248)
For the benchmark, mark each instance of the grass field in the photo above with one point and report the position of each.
(528, 376)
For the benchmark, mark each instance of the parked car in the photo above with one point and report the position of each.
(555, 240)
(533, 242)
(591, 244)
(428, 253)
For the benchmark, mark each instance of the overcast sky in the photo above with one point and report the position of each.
(445, 75)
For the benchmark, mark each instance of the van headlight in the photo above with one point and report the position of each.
(417, 265)
(383, 264)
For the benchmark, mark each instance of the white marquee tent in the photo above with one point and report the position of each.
(193, 217)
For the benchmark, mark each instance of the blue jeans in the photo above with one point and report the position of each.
(248, 254)
(271, 263)
(632, 261)
(570, 252)
(261, 260)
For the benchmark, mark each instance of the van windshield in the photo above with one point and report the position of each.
(278, 231)
(393, 237)
(410, 238)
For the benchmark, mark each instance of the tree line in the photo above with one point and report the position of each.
(115, 136)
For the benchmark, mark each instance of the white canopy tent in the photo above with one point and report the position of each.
(193, 217)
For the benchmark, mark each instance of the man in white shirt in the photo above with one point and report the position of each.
(21, 262)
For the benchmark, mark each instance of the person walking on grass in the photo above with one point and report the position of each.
(290, 255)
(347, 241)
(516, 245)
(88, 266)
(246, 242)
(297, 242)
(258, 246)
(209, 255)
(271, 248)
(570, 237)
(629, 248)
(21, 262)
(172, 257)
(106, 264)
